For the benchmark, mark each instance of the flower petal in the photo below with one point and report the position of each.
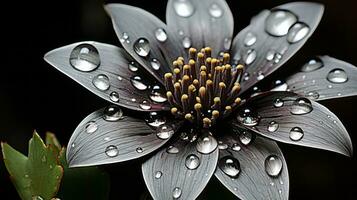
(201, 23)
(167, 175)
(253, 181)
(106, 71)
(155, 40)
(273, 37)
(289, 118)
(324, 78)
(106, 136)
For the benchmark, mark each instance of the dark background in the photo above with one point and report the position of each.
(33, 95)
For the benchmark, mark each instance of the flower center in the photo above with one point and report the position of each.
(204, 89)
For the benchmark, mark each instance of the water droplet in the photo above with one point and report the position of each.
(297, 32)
(133, 66)
(279, 22)
(145, 105)
(106, 139)
(260, 76)
(280, 86)
(37, 198)
(183, 8)
(156, 95)
(43, 159)
(91, 127)
(312, 65)
(215, 11)
(277, 57)
(314, 95)
(301, 106)
(222, 145)
(85, 58)
(337, 76)
(158, 174)
(246, 76)
(296, 134)
(250, 57)
(245, 137)
(142, 47)
(206, 144)
(227, 43)
(120, 78)
(250, 39)
(186, 42)
(176, 193)
(139, 150)
(165, 132)
(278, 103)
(192, 162)
(236, 147)
(112, 113)
(114, 96)
(172, 150)
(273, 126)
(230, 166)
(270, 55)
(137, 82)
(273, 165)
(26, 175)
(124, 38)
(101, 82)
(155, 64)
(248, 117)
(155, 120)
(112, 151)
(161, 35)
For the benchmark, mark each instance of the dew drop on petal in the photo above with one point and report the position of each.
(186, 42)
(165, 132)
(245, 137)
(230, 166)
(250, 39)
(183, 8)
(236, 147)
(145, 105)
(192, 162)
(270, 55)
(301, 106)
(112, 113)
(250, 56)
(313, 95)
(158, 174)
(215, 11)
(273, 165)
(112, 151)
(91, 127)
(139, 150)
(279, 22)
(337, 76)
(227, 43)
(161, 35)
(133, 66)
(156, 95)
(101, 82)
(248, 117)
(296, 134)
(222, 145)
(278, 103)
(312, 65)
(206, 144)
(298, 32)
(138, 83)
(114, 96)
(142, 47)
(176, 193)
(155, 120)
(155, 64)
(172, 150)
(273, 126)
(85, 58)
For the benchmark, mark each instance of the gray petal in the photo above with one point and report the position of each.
(289, 118)
(253, 181)
(204, 23)
(137, 23)
(101, 140)
(113, 63)
(268, 52)
(164, 172)
(324, 78)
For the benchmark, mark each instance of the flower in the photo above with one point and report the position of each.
(219, 114)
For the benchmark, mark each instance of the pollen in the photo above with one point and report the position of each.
(203, 89)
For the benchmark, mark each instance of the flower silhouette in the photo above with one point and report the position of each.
(201, 100)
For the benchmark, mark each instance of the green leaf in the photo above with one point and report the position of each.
(83, 183)
(37, 175)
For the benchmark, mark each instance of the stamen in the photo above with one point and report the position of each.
(192, 53)
(185, 83)
(198, 108)
(168, 82)
(184, 102)
(203, 96)
(226, 58)
(189, 117)
(177, 73)
(186, 70)
(206, 122)
(177, 92)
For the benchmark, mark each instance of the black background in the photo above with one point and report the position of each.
(33, 95)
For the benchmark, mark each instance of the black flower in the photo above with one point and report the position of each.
(206, 100)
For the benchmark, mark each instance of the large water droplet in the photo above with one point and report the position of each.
(278, 103)
(176, 193)
(222, 145)
(314, 95)
(114, 96)
(137, 82)
(312, 65)
(158, 174)
(145, 105)
(139, 150)
(297, 32)
(155, 120)
(230, 166)
(250, 57)
(165, 132)
(101, 82)
(206, 144)
(172, 150)
(155, 64)
(337, 76)
(112, 151)
(248, 117)
(186, 42)
(236, 147)
(279, 22)
(273, 165)
(245, 137)
(91, 127)
(161, 35)
(296, 134)
(250, 39)
(183, 8)
(156, 95)
(192, 162)
(112, 113)
(273, 126)
(142, 47)
(301, 106)
(85, 58)
(133, 66)
(215, 11)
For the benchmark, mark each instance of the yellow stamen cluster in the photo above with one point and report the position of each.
(203, 89)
